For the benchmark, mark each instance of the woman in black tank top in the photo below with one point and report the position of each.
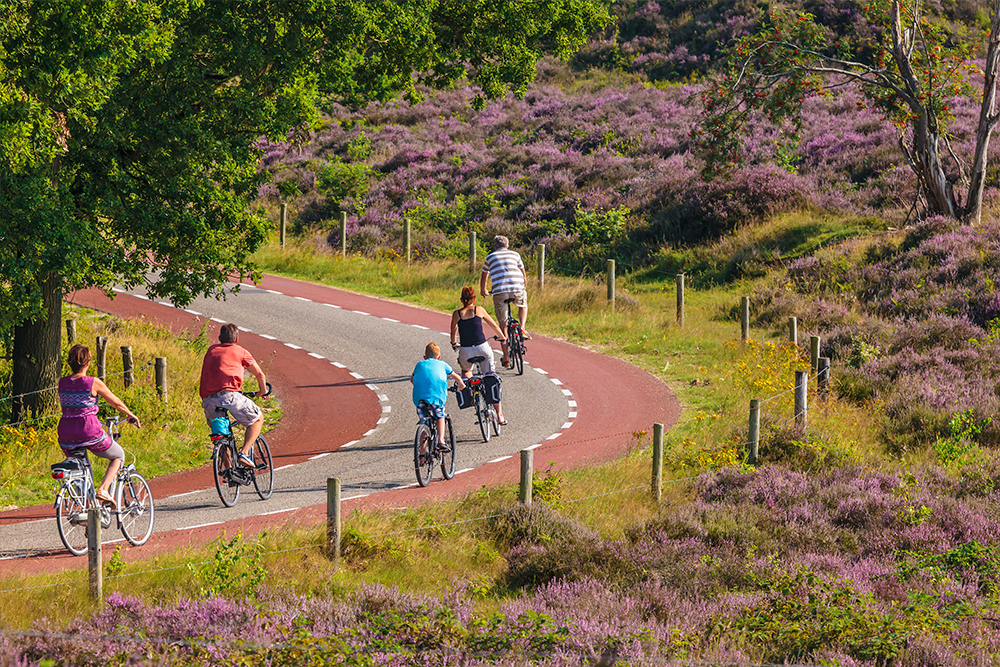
(468, 337)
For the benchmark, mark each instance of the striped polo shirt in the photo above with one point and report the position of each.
(505, 269)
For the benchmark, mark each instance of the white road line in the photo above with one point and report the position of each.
(368, 433)
(360, 495)
(360, 312)
(338, 364)
(290, 509)
(567, 392)
(302, 298)
(141, 296)
(244, 329)
(13, 557)
(216, 319)
(331, 305)
(382, 420)
(283, 467)
(383, 397)
(193, 312)
(267, 337)
(553, 436)
(571, 404)
(417, 326)
(200, 525)
(319, 456)
(248, 286)
(316, 356)
(534, 446)
(181, 495)
(352, 442)
(555, 381)
(120, 291)
(539, 370)
(386, 408)
(274, 291)
(566, 425)
(294, 347)
(357, 375)
(389, 319)
(459, 472)
(502, 458)
(572, 415)
(372, 387)
(165, 303)
(396, 488)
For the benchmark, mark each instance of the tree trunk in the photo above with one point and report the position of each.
(36, 357)
(987, 119)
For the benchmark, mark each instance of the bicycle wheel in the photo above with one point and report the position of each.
(423, 454)
(135, 503)
(71, 518)
(484, 424)
(494, 419)
(517, 352)
(263, 479)
(228, 488)
(448, 458)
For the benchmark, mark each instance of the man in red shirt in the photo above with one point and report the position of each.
(221, 380)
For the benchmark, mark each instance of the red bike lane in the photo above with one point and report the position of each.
(613, 400)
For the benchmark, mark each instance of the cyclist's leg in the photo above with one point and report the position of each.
(522, 311)
(501, 311)
(246, 412)
(115, 456)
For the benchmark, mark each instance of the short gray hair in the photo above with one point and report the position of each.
(500, 241)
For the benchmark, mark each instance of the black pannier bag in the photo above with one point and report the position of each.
(464, 398)
(492, 384)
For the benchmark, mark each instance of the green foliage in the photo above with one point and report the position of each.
(964, 429)
(547, 487)
(339, 180)
(595, 228)
(971, 561)
(235, 571)
(116, 564)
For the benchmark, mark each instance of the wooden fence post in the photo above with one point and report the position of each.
(527, 467)
(284, 222)
(793, 330)
(823, 377)
(128, 374)
(801, 398)
(472, 252)
(343, 234)
(406, 239)
(160, 367)
(102, 353)
(333, 518)
(541, 266)
(611, 283)
(814, 352)
(70, 331)
(745, 320)
(753, 437)
(94, 554)
(657, 462)
(680, 300)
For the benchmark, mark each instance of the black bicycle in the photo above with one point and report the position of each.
(515, 339)
(229, 475)
(425, 447)
(486, 412)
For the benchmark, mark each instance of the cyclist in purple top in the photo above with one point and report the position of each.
(79, 425)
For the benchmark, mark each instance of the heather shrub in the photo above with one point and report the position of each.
(533, 524)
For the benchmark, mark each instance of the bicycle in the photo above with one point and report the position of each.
(486, 412)
(76, 494)
(425, 447)
(515, 339)
(230, 478)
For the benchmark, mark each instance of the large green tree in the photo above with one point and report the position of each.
(911, 70)
(127, 128)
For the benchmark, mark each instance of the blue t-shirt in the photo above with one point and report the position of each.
(430, 382)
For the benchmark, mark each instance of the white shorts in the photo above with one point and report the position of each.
(481, 350)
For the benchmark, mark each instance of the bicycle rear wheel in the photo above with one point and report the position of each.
(71, 518)
(448, 458)
(481, 414)
(225, 484)
(423, 454)
(263, 479)
(135, 503)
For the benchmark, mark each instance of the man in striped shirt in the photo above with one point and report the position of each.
(505, 270)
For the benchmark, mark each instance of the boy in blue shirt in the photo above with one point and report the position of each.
(430, 384)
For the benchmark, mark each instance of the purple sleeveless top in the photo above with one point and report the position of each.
(470, 331)
(79, 426)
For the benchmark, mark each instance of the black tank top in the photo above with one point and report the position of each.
(470, 331)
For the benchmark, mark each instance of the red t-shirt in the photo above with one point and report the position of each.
(223, 367)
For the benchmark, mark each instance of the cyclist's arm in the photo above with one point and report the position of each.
(454, 329)
(458, 378)
(496, 327)
(258, 373)
(118, 404)
(484, 274)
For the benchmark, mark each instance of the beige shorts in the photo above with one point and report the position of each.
(243, 410)
(500, 308)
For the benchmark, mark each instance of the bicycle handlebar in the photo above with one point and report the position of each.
(255, 394)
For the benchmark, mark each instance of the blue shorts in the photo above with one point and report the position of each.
(431, 411)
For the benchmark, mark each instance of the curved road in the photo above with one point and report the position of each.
(340, 363)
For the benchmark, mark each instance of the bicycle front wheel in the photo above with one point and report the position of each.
(263, 479)
(481, 416)
(225, 484)
(135, 506)
(71, 518)
(423, 454)
(517, 352)
(448, 458)
(494, 419)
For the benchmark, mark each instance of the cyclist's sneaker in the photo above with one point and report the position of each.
(525, 335)
(443, 447)
(245, 461)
